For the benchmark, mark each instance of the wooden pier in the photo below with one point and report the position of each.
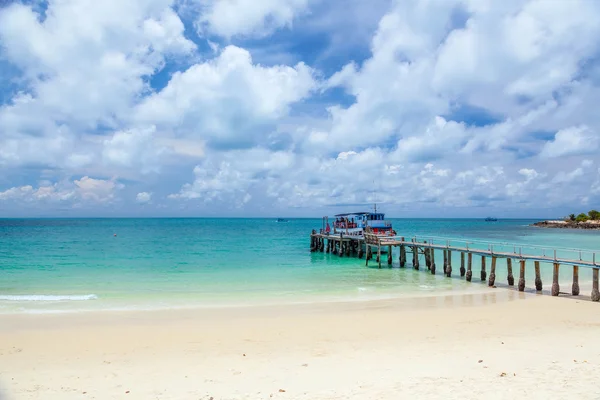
(370, 245)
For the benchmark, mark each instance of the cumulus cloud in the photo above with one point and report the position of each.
(143, 197)
(82, 67)
(227, 101)
(230, 18)
(577, 140)
(85, 190)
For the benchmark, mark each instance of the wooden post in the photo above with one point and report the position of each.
(390, 256)
(538, 277)
(492, 279)
(341, 251)
(445, 260)
(432, 254)
(427, 256)
(328, 247)
(379, 254)
(555, 285)
(321, 245)
(462, 264)
(416, 256)
(334, 247)
(402, 254)
(595, 292)
(368, 256)
(483, 273)
(469, 267)
(510, 278)
(575, 287)
(312, 243)
(522, 276)
(449, 265)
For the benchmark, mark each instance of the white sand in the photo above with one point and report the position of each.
(548, 348)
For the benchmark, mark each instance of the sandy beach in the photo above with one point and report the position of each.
(497, 345)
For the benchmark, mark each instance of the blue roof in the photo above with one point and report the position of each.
(357, 213)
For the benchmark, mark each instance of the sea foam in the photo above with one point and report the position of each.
(47, 297)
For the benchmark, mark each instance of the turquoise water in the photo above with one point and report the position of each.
(62, 265)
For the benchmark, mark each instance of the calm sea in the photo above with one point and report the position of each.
(59, 265)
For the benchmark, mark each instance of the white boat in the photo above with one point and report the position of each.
(356, 223)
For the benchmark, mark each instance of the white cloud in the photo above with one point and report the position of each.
(133, 147)
(79, 191)
(228, 100)
(230, 18)
(143, 197)
(577, 140)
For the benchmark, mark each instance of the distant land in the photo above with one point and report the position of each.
(591, 220)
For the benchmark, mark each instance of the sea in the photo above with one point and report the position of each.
(86, 265)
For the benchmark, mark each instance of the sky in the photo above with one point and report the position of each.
(299, 108)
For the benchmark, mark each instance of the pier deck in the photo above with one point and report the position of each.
(370, 244)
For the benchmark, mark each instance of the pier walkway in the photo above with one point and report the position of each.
(370, 245)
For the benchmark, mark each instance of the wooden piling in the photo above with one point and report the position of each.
(469, 267)
(522, 276)
(432, 255)
(321, 245)
(415, 257)
(492, 279)
(328, 247)
(390, 256)
(510, 278)
(575, 287)
(555, 285)
(402, 254)
(368, 255)
(379, 254)
(462, 264)
(483, 272)
(595, 291)
(449, 264)
(445, 253)
(538, 277)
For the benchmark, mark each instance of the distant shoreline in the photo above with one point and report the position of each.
(567, 224)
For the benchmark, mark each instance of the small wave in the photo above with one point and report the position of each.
(47, 297)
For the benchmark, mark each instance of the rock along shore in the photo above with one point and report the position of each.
(568, 224)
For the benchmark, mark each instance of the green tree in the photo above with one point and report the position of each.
(572, 217)
(593, 214)
(582, 217)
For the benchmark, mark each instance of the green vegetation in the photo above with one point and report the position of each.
(592, 215)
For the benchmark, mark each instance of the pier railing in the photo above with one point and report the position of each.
(427, 247)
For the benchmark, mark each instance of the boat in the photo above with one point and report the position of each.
(491, 219)
(356, 223)
(282, 220)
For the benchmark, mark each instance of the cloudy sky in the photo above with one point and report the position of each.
(299, 107)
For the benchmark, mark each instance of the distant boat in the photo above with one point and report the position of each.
(491, 219)
(282, 220)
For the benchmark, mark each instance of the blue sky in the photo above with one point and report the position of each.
(453, 108)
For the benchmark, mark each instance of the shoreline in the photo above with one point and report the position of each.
(475, 288)
(557, 224)
(386, 349)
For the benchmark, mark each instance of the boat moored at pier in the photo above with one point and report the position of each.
(357, 223)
